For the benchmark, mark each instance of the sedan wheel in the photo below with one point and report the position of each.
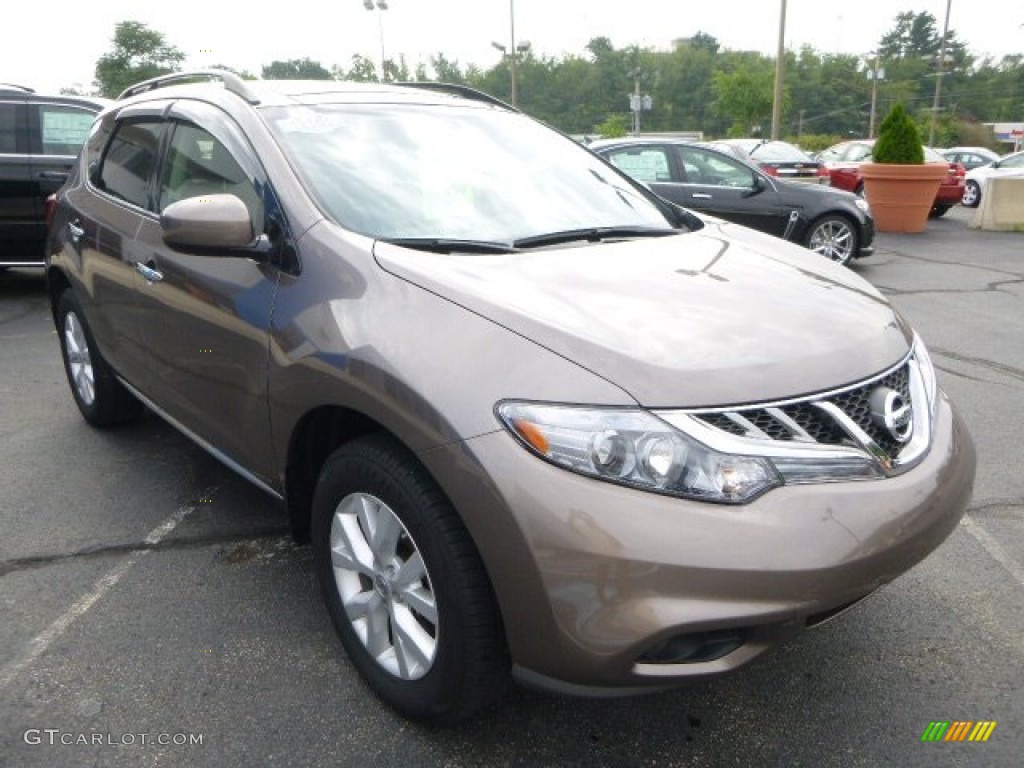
(834, 238)
(404, 584)
(972, 194)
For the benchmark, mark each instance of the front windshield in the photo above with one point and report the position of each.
(453, 172)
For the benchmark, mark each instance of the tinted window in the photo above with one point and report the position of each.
(129, 162)
(8, 128)
(63, 129)
(198, 164)
(642, 163)
(714, 169)
(1017, 161)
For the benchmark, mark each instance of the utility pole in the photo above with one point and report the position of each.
(938, 75)
(874, 75)
(780, 71)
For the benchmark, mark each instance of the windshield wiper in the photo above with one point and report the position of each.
(450, 245)
(592, 235)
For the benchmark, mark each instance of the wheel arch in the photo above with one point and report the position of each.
(56, 283)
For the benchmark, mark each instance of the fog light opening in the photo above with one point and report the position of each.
(695, 647)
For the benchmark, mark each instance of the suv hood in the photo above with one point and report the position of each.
(722, 316)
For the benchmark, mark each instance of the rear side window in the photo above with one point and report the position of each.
(9, 128)
(63, 129)
(648, 164)
(130, 160)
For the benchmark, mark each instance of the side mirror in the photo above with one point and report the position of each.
(211, 223)
(760, 185)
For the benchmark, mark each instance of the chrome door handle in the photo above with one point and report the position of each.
(148, 271)
(700, 196)
(54, 175)
(76, 230)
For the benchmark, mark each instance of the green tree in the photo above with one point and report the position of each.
(744, 92)
(140, 53)
(295, 69)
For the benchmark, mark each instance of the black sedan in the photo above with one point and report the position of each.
(831, 222)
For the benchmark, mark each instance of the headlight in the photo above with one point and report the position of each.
(636, 449)
(861, 203)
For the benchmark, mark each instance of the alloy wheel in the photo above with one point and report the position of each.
(79, 359)
(384, 586)
(834, 239)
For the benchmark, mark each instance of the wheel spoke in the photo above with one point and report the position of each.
(385, 531)
(377, 627)
(412, 571)
(349, 549)
(414, 648)
(363, 604)
(421, 601)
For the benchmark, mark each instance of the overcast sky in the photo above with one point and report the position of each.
(49, 44)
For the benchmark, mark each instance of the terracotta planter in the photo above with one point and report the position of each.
(901, 196)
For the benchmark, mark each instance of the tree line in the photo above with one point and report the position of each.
(696, 86)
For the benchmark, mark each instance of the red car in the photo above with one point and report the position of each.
(843, 162)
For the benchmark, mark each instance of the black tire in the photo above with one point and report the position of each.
(833, 236)
(972, 194)
(938, 211)
(360, 485)
(98, 394)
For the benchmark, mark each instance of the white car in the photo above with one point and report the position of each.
(976, 179)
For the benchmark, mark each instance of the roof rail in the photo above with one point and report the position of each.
(232, 82)
(16, 87)
(456, 89)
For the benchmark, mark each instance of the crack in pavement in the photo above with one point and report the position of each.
(109, 550)
(993, 287)
(992, 504)
(1008, 370)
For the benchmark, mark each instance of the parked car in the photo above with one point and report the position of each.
(776, 158)
(532, 417)
(833, 223)
(969, 157)
(974, 186)
(843, 161)
(40, 135)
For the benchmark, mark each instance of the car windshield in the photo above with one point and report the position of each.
(454, 173)
(779, 152)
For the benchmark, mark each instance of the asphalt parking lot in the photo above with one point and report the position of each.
(154, 606)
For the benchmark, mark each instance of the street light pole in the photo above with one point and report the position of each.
(514, 70)
(938, 75)
(513, 53)
(780, 72)
(381, 5)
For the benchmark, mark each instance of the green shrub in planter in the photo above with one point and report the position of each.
(899, 141)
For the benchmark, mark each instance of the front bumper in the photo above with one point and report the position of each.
(591, 577)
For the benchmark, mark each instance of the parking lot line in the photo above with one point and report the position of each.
(38, 645)
(988, 541)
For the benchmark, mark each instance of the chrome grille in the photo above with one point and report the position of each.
(807, 422)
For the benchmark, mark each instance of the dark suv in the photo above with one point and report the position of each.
(40, 136)
(533, 418)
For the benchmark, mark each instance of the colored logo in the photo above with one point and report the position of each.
(958, 730)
